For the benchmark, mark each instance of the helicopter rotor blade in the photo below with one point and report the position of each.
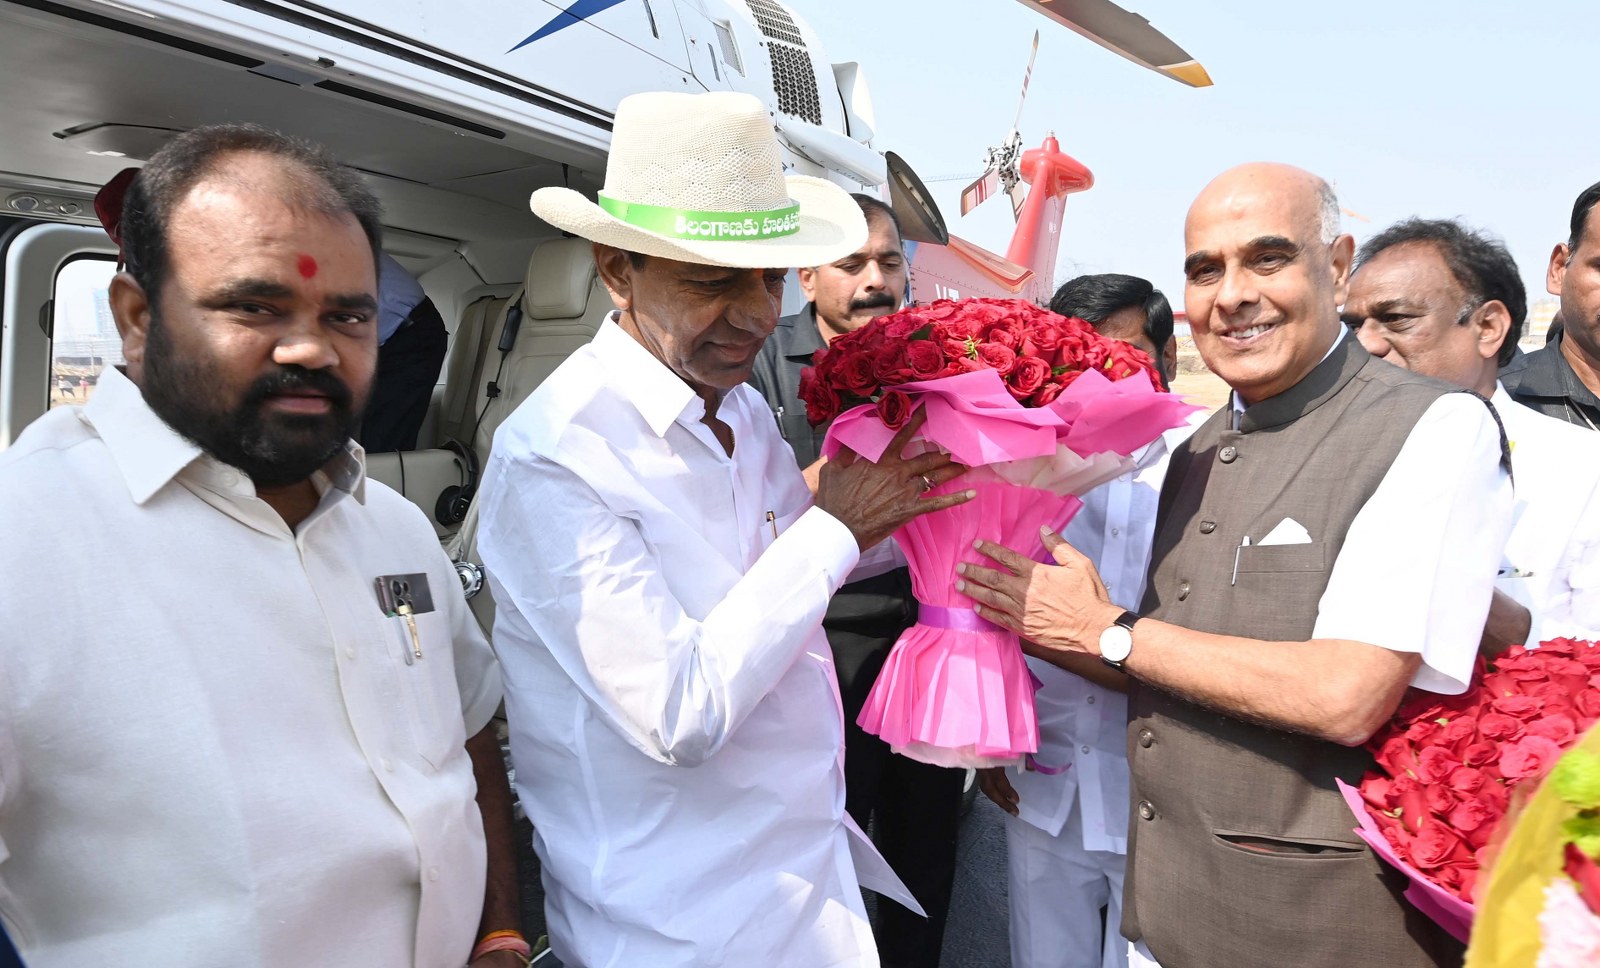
(1026, 78)
(980, 191)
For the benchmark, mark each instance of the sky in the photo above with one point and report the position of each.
(1473, 109)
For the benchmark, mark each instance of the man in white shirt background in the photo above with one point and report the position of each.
(239, 692)
(1440, 299)
(1067, 834)
(661, 570)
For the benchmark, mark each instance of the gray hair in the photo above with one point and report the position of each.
(1328, 212)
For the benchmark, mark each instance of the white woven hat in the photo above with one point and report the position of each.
(699, 178)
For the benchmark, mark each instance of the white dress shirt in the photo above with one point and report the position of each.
(212, 751)
(1083, 727)
(675, 721)
(1552, 560)
(1447, 495)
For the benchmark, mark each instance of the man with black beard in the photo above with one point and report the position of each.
(914, 808)
(239, 679)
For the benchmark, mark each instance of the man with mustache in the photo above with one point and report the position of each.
(245, 710)
(916, 807)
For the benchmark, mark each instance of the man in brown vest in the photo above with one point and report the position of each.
(1324, 542)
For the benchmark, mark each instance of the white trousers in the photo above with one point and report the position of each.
(1057, 890)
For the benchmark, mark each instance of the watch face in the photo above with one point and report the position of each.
(1115, 643)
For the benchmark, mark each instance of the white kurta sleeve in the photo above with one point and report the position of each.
(1417, 569)
(591, 588)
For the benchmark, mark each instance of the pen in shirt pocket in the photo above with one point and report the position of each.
(778, 415)
(772, 521)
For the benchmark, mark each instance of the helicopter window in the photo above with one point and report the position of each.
(84, 336)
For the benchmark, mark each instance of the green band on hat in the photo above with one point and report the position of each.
(680, 223)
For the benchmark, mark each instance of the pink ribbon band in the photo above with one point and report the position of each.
(962, 619)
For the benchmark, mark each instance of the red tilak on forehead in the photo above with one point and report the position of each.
(307, 267)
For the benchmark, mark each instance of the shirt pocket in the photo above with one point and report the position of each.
(428, 686)
(1283, 559)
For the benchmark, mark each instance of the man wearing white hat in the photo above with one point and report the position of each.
(661, 570)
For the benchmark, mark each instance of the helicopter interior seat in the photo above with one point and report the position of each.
(434, 478)
(562, 306)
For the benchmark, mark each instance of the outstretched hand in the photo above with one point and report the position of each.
(1053, 609)
(874, 499)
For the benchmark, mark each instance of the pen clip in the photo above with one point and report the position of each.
(782, 430)
(1236, 552)
(772, 519)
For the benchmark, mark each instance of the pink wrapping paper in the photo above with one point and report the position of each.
(1445, 909)
(963, 696)
(957, 696)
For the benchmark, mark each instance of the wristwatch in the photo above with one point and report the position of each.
(1117, 640)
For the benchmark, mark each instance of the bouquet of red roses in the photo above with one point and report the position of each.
(1041, 408)
(1450, 765)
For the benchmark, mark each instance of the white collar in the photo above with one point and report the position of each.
(660, 395)
(150, 454)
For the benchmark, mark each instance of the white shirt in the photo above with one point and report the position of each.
(1083, 727)
(1552, 560)
(211, 749)
(675, 721)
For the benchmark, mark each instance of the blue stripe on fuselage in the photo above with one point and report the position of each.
(577, 11)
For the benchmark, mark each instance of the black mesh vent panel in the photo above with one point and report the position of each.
(796, 82)
(775, 21)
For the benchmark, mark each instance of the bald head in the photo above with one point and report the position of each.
(1266, 271)
(1312, 195)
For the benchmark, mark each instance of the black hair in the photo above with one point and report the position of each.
(1580, 215)
(873, 207)
(327, 188)
(1095, 298)
(1480, 264)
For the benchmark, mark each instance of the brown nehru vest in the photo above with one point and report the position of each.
(1242, 854)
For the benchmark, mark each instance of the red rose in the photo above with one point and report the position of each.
(1440, 798)
(1375, 790)
(997, 357)
(1521, 707)
(1587, 703)
(1397, 757)
(895, 408)
(1528, 756)
(855, 375)
(1457, 734)
(1499, 727)
(1467, 779)
(822, 402)
(926, 359)
(962, 328)
(1558, 728)
(1469, 815)
(1558, 646)
(901, 325)
(1027, 377)
(1435, 763)
(1412, 801)
(1480, 754)
(1047, 394)
(1007, 333)
(891, 366)
(1424, 732)
(1435, 845)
